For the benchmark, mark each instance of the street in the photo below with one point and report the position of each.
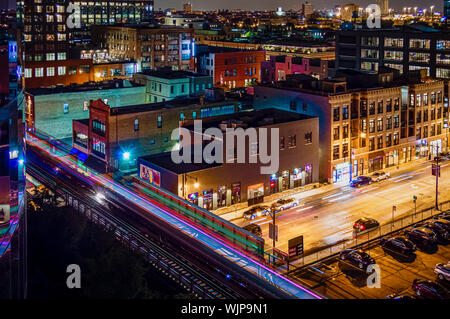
(327, 218)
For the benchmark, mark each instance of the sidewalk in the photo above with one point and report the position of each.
(236, 211)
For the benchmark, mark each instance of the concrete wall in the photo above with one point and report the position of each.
(49, 108)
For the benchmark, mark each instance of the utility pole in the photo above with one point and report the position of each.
(436, 171)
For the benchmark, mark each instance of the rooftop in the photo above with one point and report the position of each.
(170, 74)
(88, 86)
(164, 160)
(253, 118)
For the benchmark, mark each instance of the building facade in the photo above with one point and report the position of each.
(166, 85)
(405, 48)
(365, 130)
(52, 110)
(118, 136)
(231, 68)
(216, 185)
(278, 67)
(149, 47)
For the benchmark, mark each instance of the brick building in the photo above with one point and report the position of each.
(386, 123)
(150, 47)
(278, 67)
(231, 68)
(118, 136)
(214, 185)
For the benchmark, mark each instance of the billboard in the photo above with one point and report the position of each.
(295, 247)
(150, 175)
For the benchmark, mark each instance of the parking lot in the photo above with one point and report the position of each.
(396, 276)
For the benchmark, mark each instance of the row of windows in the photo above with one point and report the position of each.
(422, 132)
(52, 71)
(337, 114)
(422, 99)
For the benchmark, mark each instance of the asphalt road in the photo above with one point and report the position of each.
(327, 218)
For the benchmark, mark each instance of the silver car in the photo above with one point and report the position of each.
(379, 176)
(443, 271)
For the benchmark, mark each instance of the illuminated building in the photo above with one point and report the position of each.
(382, 121)
(215, 185)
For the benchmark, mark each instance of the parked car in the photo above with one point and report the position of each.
(356, 258)
(256, 211)
(444, 215)
(422, 237)
(398, 244)
(285, 203)
(394, 296)
(379, 176)
(254, 229)
(429, 289)
(443, 223)
(443, 271)
(360, 181)
(364, 225)
(440, 231)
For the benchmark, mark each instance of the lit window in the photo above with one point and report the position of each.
(39, 72)
(50, 57)
(28, 73)
(51, 71)
(66, 108)
(61, 56)
(61, 70)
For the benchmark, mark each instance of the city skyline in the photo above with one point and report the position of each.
(285, 4)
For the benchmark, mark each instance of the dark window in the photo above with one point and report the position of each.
(345, 112)
(136, 125)
(336, 134)
(372, 108)
(345, 131)
(281, 142)
(308, 138)
(335, 152)
(380, 107)
(336, 116)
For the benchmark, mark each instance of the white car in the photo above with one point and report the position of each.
(379, 176)
(443, 271)
(286, 203)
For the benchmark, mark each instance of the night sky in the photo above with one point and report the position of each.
(286, 4)
(270, 4)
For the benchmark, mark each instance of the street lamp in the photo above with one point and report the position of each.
(126, 156)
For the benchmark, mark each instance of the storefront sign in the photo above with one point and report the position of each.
(150, 175)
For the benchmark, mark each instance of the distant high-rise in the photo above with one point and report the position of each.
(447, 9)
(307, 9)
(384, 6)
(187, 7)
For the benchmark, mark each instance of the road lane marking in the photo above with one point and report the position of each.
(339, 198)
(334, 195)
(405, 178)
(370, 189)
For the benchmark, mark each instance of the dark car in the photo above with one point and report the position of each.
(422, 237)
(398, 244)
(394, 296)
(360, 181)
(440, 231)
(443, 223)
(356, 259)
(256, 211)
(254, 229)
(429, 289)
(445, 215)
(365, 224)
